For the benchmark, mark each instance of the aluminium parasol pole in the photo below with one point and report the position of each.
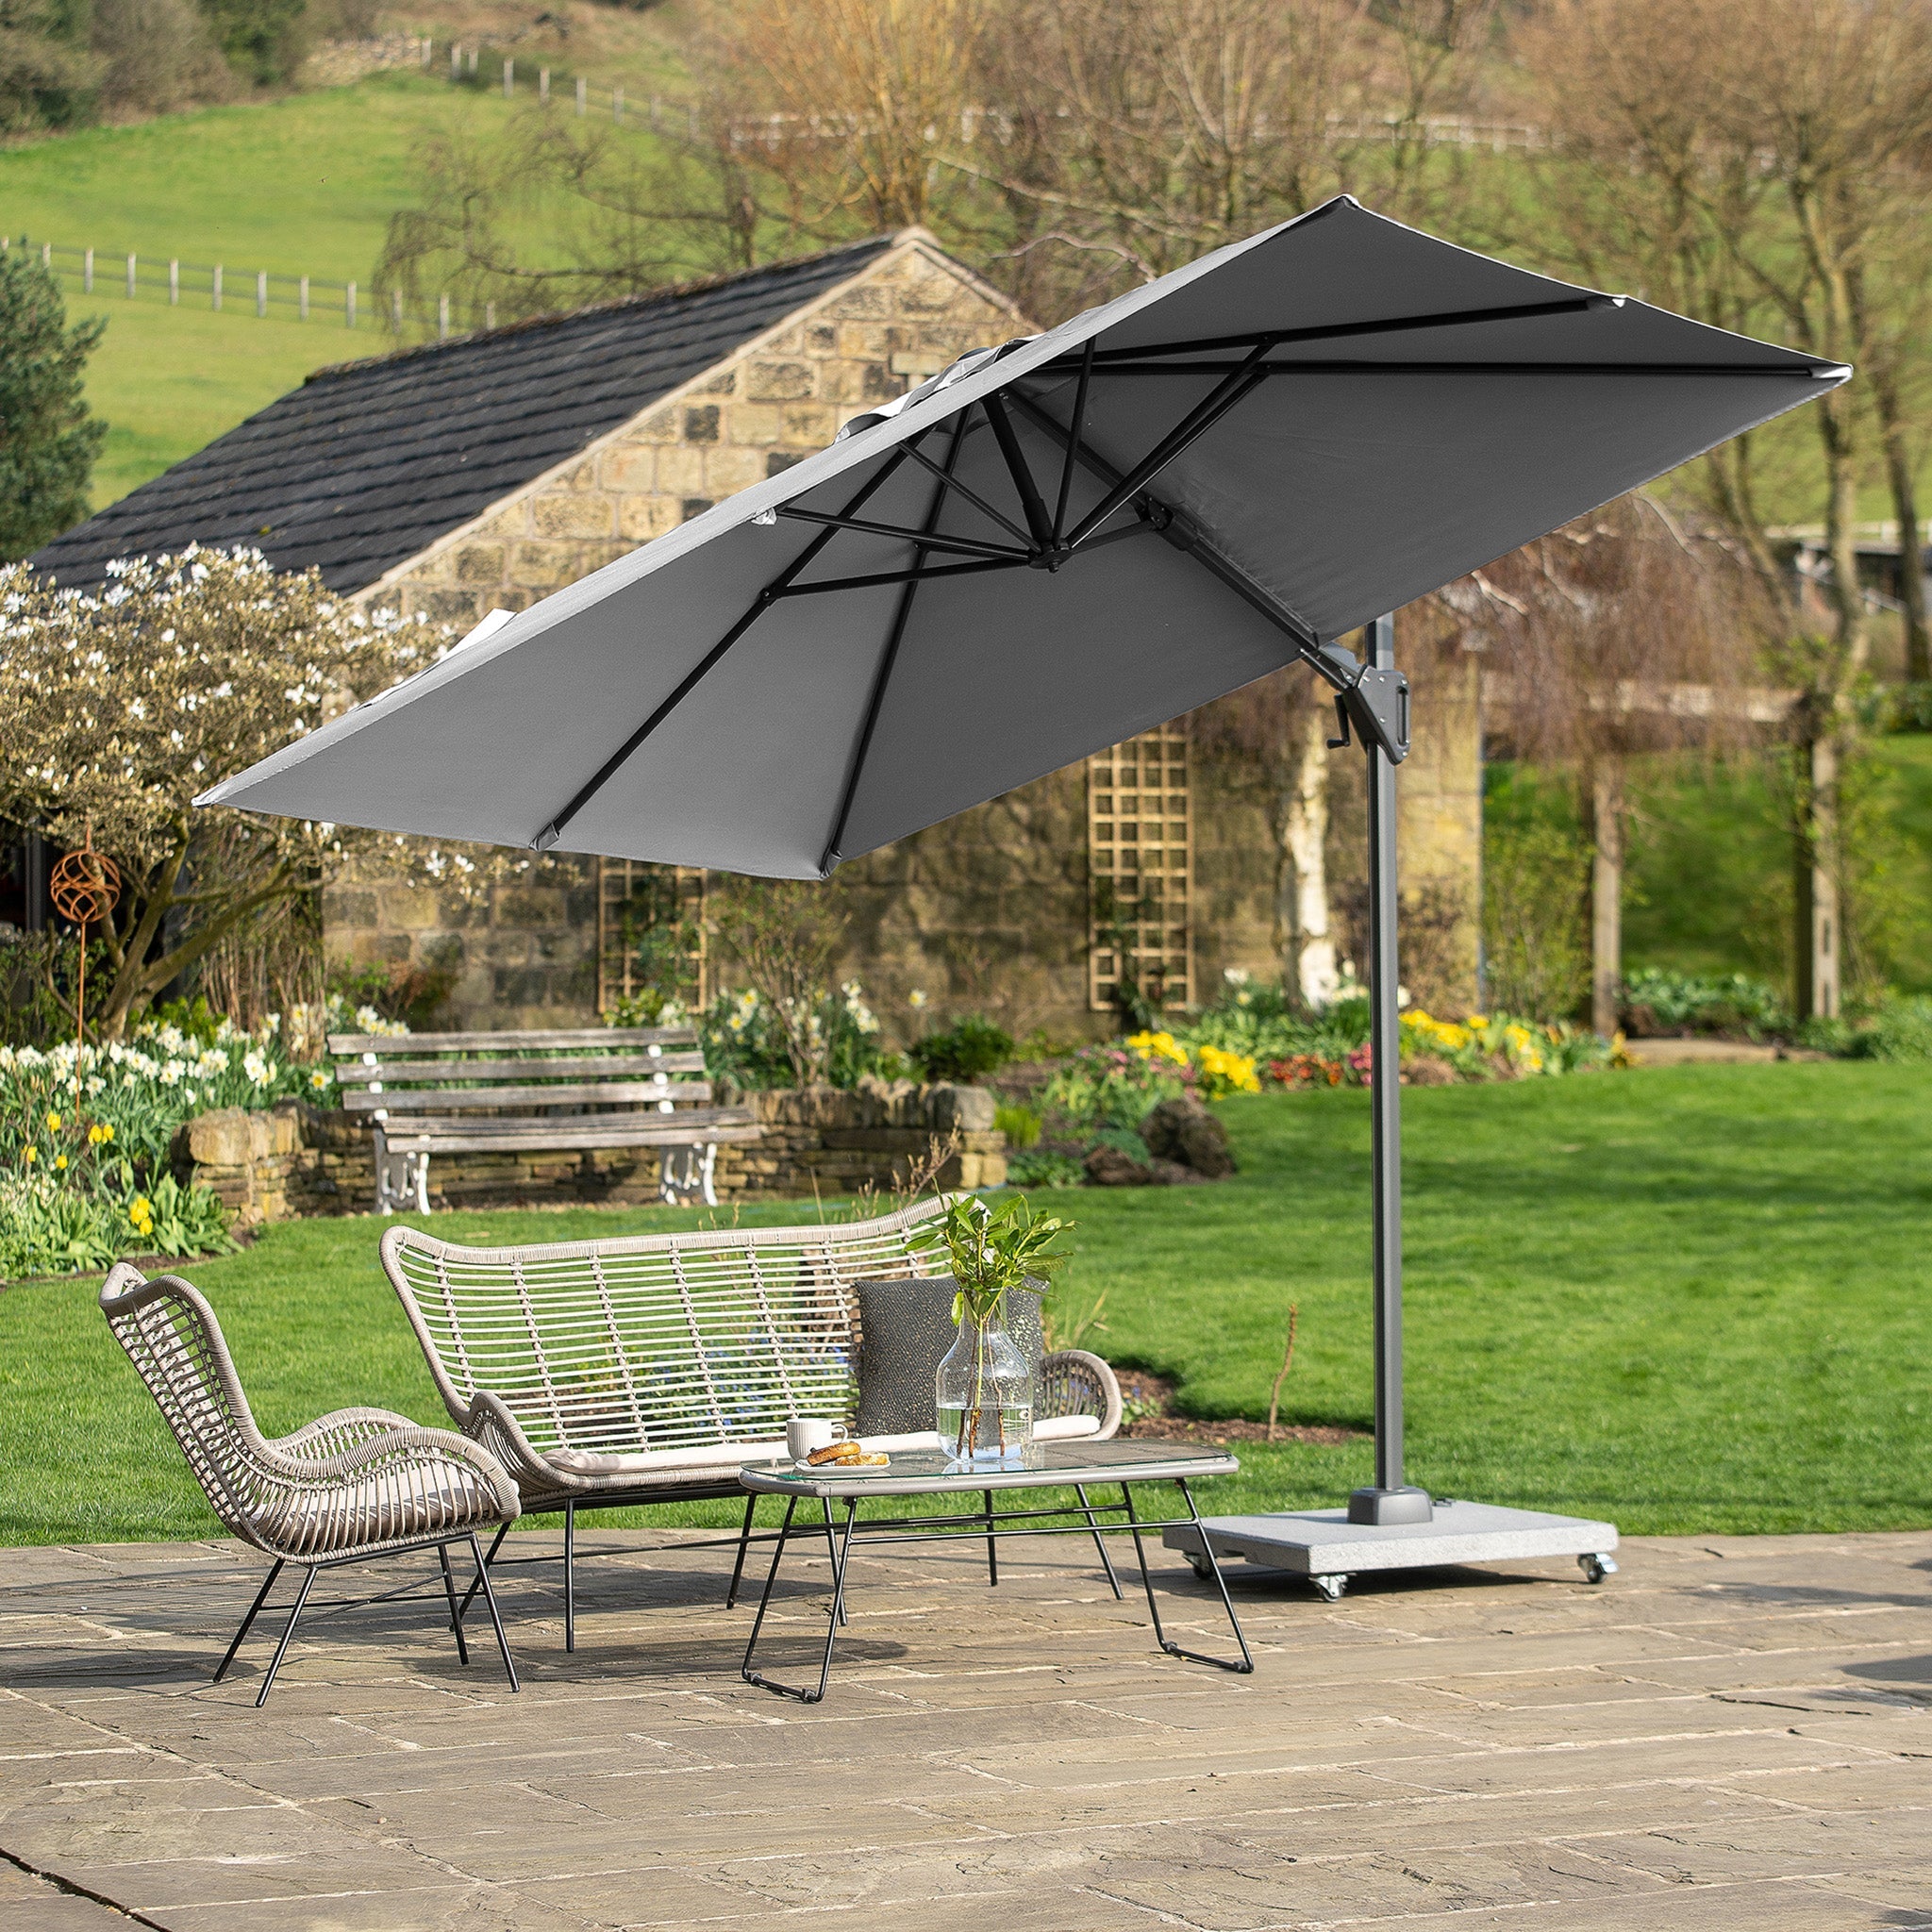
(1390, 1500)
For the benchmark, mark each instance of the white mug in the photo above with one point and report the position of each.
(804, 1433)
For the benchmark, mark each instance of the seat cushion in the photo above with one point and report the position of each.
(697, 1459)
(904, 1329)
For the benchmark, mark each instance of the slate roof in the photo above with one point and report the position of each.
(368, 463)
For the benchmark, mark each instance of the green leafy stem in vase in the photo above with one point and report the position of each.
(994, 1250)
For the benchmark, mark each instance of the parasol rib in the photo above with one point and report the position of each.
(759, 605)
(889, 656)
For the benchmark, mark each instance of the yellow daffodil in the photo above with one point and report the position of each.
(1229, 1073)
(60, 1161)
(1161, 1046)
(30, 1155)
(53, 1124)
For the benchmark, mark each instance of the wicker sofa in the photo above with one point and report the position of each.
(647, 1369)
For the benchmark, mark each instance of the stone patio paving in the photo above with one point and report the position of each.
(1732, 1733)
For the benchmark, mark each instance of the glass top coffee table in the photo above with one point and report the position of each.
(1082, 1467)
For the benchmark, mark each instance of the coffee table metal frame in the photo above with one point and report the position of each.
(1077, 1466)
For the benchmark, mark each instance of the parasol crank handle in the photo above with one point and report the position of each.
(1371, 701)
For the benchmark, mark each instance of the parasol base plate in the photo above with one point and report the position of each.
(1326, 1548)
(1406, 1504)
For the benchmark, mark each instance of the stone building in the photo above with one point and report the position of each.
(486, 472)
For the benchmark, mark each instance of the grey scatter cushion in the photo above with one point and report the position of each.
(904, 1329)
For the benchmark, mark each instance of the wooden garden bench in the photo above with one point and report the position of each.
(648, 1368)
(581, 1088)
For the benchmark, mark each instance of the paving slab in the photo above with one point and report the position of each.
(1733, 1733)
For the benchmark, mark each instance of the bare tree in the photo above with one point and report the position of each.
(785, 934)
(1620, 634)
(559, 212)
(847, 104)
(1754, 161)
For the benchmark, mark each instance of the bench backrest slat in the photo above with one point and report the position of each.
(590, 1093)
(653, 1341)
(555, 1040)
(570, 1067)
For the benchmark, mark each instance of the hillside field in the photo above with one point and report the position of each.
(301, 185)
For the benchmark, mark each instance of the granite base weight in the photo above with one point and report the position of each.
(1326, 1548)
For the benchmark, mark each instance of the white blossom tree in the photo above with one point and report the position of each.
(119, 705)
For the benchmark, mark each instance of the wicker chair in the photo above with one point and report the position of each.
(355, 1484)
(647, 1369)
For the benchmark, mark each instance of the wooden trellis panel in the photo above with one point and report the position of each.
(1141, 848)
(617, 977)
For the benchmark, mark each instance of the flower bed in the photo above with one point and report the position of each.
(85, 1133)
(1252, 1041)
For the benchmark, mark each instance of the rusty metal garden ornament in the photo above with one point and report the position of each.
(85, 887)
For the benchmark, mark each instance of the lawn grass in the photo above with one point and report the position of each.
(1694, 1300)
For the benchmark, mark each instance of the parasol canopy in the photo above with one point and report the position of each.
(1055, 544)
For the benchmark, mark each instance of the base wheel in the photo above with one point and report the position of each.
(1201, 1568)
(1597, 1566)
(1330, 1587)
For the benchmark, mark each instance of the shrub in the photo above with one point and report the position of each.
(1896, 1028)
(1020, 1125)
(745, 1041)
(1044, 1168)
(1536, 943)
(1110, 1087)
(965, 1051)
(1654, 996)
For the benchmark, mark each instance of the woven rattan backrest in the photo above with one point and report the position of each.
(654, 1341)
(174, 1342)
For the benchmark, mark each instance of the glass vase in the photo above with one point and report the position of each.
(984, 1396)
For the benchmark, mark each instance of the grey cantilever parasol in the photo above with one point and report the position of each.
(1054, 545)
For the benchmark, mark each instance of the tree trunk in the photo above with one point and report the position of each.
(1819, 926)
(1904, 506)
(1607, 897)
(1309, 954)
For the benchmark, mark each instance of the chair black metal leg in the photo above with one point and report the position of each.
(570, 1576)
(495, 1619)
(247, 1622)
(751, 1504)
(1099, 1543)
(1247, 1663)
(275, 1662)
(449, 1590)
(992, 1555)
(469, 1594)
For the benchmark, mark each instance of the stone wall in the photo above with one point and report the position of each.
(296, 1159)
(525, 957)
(906, 317)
